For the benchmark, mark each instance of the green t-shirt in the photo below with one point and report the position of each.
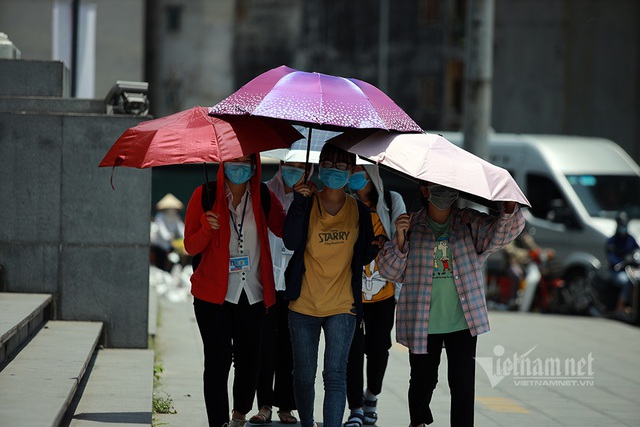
(445, 313)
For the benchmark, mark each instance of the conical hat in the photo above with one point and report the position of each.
(169, 201)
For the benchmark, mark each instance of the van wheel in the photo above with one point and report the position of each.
(579, 287)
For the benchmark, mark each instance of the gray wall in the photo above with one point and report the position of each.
(568, 67)
(64, 230)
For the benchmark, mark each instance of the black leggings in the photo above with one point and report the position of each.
(461, 350)
(277, 358)
(230, 332)
(374, 341)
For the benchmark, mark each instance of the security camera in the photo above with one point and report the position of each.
(128, 98)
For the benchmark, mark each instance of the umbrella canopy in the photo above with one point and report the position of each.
(193, 136)
(430, 157)
(316, 99)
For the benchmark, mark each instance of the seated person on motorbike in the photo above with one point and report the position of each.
(618, 247)
(519, 253)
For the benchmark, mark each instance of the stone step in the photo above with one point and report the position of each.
(118, 390)
(39, 383)
(21, 315)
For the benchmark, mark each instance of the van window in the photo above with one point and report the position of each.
(540, 192)
(605, 195)
(547, 202)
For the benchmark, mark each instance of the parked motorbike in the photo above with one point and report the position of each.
(604, 293)
(538, 291)
(542, 283)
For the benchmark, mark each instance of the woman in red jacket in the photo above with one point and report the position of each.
(233, 283)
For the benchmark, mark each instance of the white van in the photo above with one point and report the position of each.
(576, 186)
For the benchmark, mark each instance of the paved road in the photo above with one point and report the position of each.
(533, 370)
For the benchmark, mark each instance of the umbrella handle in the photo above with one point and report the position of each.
(306, 164)
(206, 177)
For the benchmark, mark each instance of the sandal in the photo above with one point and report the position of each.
(262, 417)
(370, 415)
(286, 417)
(355, 420)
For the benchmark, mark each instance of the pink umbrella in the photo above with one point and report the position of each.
(316, 100)
(430, 157)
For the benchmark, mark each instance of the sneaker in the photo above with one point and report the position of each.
(237, 423)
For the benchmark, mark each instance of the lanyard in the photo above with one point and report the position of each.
(244, 210)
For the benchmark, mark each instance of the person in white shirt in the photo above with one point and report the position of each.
(275, 384)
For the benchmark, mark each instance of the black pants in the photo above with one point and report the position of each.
(229, 333)
(461, 350)
(374, 340)
(276, 359)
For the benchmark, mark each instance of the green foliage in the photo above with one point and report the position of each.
(163, 405)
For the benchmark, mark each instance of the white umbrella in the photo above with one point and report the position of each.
(430, 157)
(298, 150)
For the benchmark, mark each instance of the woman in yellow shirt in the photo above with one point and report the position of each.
(332, 238)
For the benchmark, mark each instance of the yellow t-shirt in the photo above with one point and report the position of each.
(326, 284)
(374, 287)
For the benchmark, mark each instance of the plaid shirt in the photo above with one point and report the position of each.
(473, 237)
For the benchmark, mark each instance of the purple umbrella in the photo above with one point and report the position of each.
(317, 100)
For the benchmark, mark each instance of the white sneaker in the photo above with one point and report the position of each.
(237, 423)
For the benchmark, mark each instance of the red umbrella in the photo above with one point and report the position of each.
(316, 99)
(193, 136)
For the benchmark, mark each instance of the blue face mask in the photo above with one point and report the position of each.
(291, 175)
(358, 180)
(333, 178)
(238, 173)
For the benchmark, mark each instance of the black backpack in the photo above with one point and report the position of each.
(207, 200)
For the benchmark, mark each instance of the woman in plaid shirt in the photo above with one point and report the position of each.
(438, 254)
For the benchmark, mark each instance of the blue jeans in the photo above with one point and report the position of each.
(625, 288)
(305, 338)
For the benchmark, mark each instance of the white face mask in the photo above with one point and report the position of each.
(442, 197)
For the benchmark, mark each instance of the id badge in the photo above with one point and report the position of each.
(238, 263)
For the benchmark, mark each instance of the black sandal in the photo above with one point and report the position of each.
(370, 415)
(286, 417)
(262, 417)
(355, 420)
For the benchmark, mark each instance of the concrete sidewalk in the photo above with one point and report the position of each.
(179, 351)
(609, 396)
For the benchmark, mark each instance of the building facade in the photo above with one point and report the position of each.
(559, 66)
